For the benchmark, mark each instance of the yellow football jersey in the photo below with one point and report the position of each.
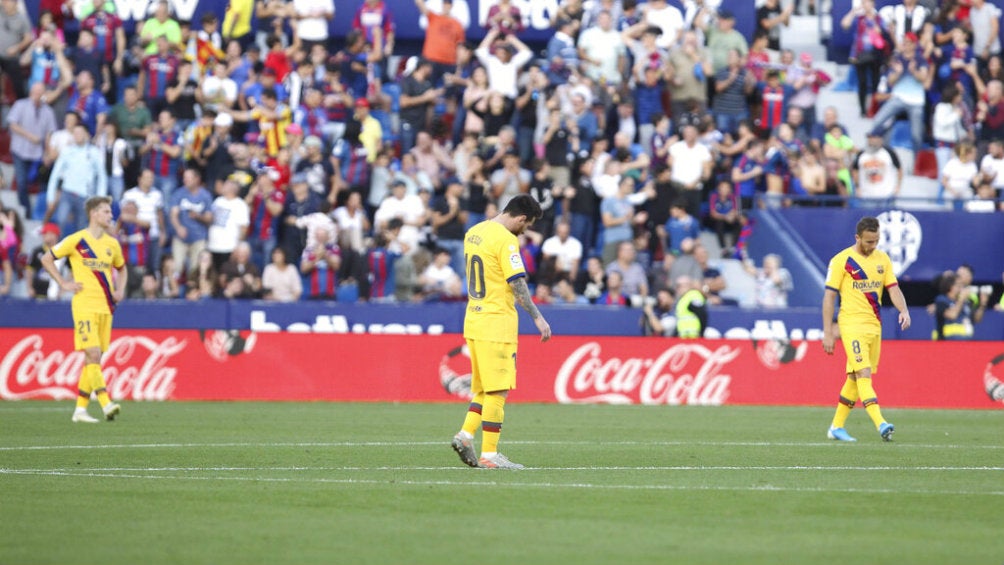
(492, 259)
(860, 282)
(92, 260)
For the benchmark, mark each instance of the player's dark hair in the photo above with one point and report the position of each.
(523, 205)
(946, 282)
(867, 223)
(93, 202)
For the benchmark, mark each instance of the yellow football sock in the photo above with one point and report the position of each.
(84, 388)
(98, 382)
(848, 397)
(472, 421)
(867, 395)
(491, 422)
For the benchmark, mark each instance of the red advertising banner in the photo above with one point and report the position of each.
(226, 365)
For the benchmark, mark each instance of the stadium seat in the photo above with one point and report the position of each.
(926, 164)
(900, 135)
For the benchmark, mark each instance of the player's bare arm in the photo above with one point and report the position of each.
(899, 301)
(123, 279)
(829, 305)
(522, 292)
(49, 264)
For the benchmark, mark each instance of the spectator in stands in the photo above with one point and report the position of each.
(725, 216)
(202, 280)
(722, 39)
(162, 153)
(867, 47)
(510, 180)
(561, 253)
(31, 121)
(190, 214)
(48, 66)
(312, 18)
(658, 319)
(602, 50)
(134, 237)
(905, 17)
(265, 204)
(504, 19)
(503, 64)
(170, 283)
(714, 281)
(15, 37)
(613, 295)
(432, 158)
(160, 25)
(686, 75)
(280, 281)
(667, 18)
(992, 166)
(150, 212)
(439, 281)
(117, 158)
(353, 224)
(633, 278)
(773, 282)
(960, 175)
(821, 128)
(618, 216)
(683, 264)
(691, 163)
(219, 91)
(990, 113)
(680, 226)
(89, 104)
(876, 171)
(908, 70)
(770, 16)
(319, 266)
(442, 36)
(40, 284)
(984, 20)
(564, 294)
(985, 199)
(733, 84)
(159, 70)
(748, 173)
(448, 221)
(77, 174)
(417, 99)
(409, 208)
(592, 281)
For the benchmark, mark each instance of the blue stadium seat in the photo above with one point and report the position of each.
(900, 135)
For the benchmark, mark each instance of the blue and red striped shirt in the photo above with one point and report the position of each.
(159, 71)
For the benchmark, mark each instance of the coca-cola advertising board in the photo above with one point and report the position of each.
(158, 365)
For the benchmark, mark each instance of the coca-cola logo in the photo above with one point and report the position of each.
(686, 373)
(134, 367)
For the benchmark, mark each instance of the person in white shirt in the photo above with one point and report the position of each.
(876, 170)
(281, 281)
(439, 281)
(409, 208)
(667, 18)
(691, 163)
(992, 166)
(231, 219)
(602, 51)
(502, 65)
(959, 173)
(312, 17)
(562, 253)
(150, 204)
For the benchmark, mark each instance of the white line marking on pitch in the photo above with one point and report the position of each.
(750, 488)
(77, 470)
(897, 445)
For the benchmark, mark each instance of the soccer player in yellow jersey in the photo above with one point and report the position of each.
(496, 279)
(93, 254)
(859, 274)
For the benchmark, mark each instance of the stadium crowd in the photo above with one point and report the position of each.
(280, 163)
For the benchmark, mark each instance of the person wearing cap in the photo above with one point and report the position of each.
(41, 285)
(370, 130)
(905, 78)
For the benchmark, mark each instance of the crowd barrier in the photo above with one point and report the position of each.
(161, 365)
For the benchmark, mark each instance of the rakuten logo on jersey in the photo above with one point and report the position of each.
(687, 373)
(134, 367)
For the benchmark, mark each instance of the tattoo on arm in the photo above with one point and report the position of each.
(522, 292)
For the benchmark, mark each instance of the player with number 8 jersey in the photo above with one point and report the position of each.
(496, 279)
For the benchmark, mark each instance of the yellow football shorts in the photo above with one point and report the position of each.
(493, 365)
(862, 351)
(91, 330)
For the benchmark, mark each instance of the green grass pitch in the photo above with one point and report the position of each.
(216, 483)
